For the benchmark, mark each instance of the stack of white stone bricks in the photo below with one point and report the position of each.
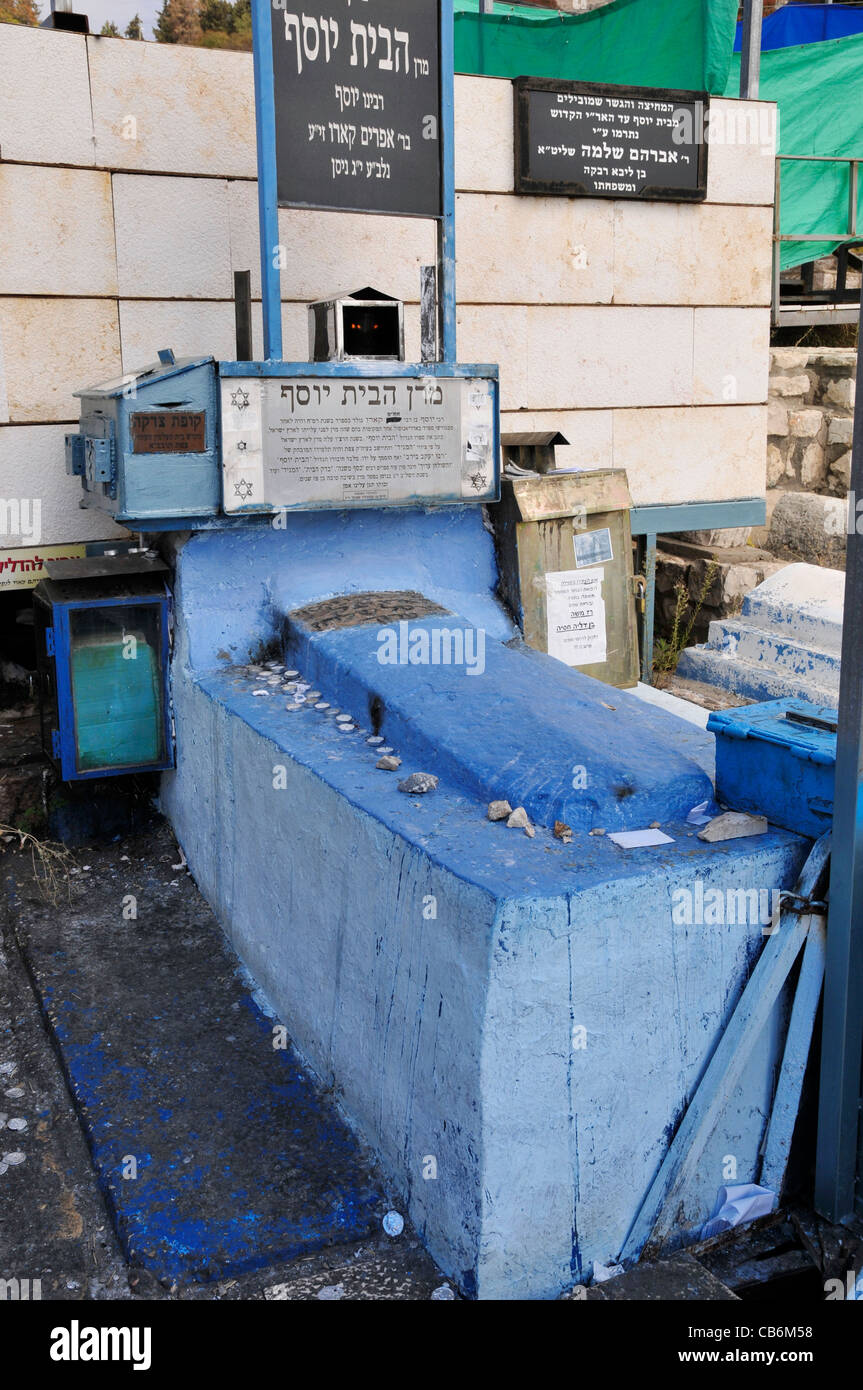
(811, 417)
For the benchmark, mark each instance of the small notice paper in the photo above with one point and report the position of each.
(575, 617)
(592, 547)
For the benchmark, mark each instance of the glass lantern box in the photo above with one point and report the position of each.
(102, 641)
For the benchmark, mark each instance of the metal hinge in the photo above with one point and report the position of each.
(49, 641)
(56, 748)
(75, 460)
(101, 460)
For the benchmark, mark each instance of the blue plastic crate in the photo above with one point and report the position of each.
(778, 759)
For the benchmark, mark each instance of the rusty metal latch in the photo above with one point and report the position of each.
(794, 902)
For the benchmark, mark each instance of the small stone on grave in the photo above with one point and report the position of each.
(418, 783)
(733, 825)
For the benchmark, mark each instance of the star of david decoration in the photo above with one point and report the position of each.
(243, 489)
(240, 399)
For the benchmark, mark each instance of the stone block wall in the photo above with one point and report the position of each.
(810, 427)
(810, 419)
(737, 570)
(127, 183)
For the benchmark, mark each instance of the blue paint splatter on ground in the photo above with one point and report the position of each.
(215, 1151)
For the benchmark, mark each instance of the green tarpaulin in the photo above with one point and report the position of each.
(637, 43)
(689, 44)
(819, 90)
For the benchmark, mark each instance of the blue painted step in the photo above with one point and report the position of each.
(741, 640)
(749, 679)
(786, 643)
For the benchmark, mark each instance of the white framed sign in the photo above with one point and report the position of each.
(303, 443)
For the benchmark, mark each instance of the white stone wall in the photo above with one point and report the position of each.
(128, 198)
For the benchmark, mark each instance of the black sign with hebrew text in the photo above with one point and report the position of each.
(582, 139)
(358, 105)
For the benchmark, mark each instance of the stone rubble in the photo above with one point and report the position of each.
(733, 825)
(418, 783)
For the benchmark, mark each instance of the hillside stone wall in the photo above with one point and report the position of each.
(810, 419)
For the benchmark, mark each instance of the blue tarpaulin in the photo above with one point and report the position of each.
(795, 24)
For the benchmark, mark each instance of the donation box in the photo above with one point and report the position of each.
(148, 442)
(565, 560)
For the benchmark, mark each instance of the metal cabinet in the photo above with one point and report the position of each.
(566, 569)
(148, 442)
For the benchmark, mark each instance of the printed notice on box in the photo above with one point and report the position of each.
(575, 616)
(305, 444)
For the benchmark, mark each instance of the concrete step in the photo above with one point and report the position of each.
(241, 1160)
(802, 601)
(786, 643)
(749, 679)
(741, 641)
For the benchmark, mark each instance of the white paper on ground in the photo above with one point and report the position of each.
(575, 617)
(737, 1204)
(637, 839)
(701, 814)
(602, 1273)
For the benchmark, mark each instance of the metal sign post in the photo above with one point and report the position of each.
(750, 57)
(268, 202)
(837, 1160)
(355, 113)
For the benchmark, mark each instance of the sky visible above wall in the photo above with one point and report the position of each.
(120, 11)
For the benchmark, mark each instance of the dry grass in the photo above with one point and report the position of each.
(51, 862)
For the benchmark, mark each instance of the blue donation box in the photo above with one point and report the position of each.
(102, 633)
(148, 442)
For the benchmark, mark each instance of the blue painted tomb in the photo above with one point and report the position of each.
(514, 1024)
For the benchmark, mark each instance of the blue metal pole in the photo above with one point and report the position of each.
(750, 57)
(842, 1029)
(649, 607)
(268, 198)
(446, 226)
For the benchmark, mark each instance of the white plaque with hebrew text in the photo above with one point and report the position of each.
(301, 443)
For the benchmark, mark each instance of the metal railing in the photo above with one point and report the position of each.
(841, 305)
